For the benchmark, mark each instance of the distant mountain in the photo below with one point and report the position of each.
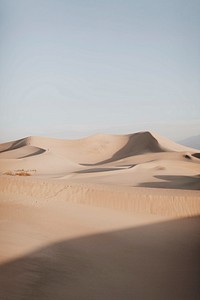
(193, 141)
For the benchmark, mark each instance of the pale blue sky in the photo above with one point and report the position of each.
(71, 68)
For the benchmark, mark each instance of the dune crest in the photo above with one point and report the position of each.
(138, 159)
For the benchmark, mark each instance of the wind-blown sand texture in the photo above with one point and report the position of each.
(104, 217)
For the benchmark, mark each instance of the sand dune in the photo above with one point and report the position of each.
(104, 217)
(21, 152)
(101, 146)
(112, 154)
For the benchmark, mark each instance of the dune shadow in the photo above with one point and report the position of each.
(37, 152)
(197, 155)
(174, 182)
(159, 261)
(22, 143)
(99, 170)
(137, 144)
(15, 145)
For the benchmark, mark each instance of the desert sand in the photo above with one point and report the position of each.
(103, 217)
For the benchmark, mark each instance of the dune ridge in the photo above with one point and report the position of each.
(133, 160)
(128, 145)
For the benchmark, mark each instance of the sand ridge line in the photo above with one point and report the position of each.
(142, 200)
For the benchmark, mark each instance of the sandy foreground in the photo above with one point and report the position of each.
(104, 217)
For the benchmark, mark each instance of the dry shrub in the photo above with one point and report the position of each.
(21, 172)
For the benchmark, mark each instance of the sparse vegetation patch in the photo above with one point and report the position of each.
(20, 172)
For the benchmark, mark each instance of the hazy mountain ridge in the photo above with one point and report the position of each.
(192, 141)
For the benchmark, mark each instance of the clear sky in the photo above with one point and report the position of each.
(71, 68)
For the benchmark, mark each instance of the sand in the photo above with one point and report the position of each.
(104, 217)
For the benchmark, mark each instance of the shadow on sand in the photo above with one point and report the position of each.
(197, 155)
(137, 144)
(15, 145)
(159, 261)
(174, 182)
(37, 152)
